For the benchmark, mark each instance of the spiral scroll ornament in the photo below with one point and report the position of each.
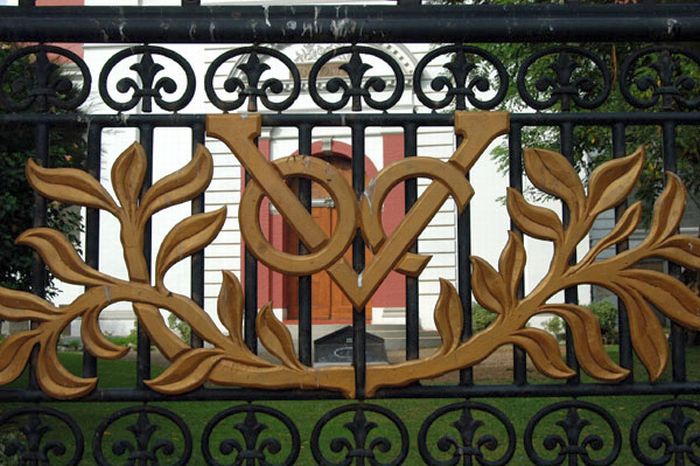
(46, 86)
(251, 441)
(153, 84)
(253, 87)
(664, 76)
(580, 439)
(569, 76)
(477, 77)
(40, 435)
(151, 431)
(467, 433)
(358, 87)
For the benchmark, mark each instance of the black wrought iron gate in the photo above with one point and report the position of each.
(558, 75)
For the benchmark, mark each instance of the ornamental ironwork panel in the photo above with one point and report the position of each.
(572, 73)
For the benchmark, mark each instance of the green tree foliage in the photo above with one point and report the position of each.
(17, 145)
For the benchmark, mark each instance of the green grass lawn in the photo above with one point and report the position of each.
(306, 413)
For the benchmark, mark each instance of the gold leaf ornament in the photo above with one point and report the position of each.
(276, 338)
(536, 221)
(588, 342)
(69, 185)
(553, 174)
(182, 185)
(95, 341)
(488, 286)
(14, 354)
(128, 173)
(55, 379)
(190, 370)
(449, 318)
(187, 237)
(60, 256)
(544, 351)
(613, 181)
(20, 305)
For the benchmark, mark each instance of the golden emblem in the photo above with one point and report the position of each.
(229, 362)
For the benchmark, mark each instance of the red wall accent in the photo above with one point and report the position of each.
(392, 293)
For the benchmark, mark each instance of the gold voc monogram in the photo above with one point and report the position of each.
(227, 360)
(327, 253)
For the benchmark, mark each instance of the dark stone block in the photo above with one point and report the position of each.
(336, 348)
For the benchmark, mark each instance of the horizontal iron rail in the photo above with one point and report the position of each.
(417, 391)
(345, 119)
(341, 24)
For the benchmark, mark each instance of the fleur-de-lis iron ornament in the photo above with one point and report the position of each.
(151, 442)
(253, 69)
(45, 86)
(227, 360)
(256, 446)
(149, 87)
(476, 440)
(672, 80)
(564, 85)
(575, 445)
(359, 88)
(36, 442)
(682, 444)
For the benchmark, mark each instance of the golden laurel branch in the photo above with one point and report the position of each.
(227, 361)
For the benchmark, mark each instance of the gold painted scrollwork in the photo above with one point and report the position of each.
(227, 361)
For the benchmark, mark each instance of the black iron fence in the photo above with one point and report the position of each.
(604, 79)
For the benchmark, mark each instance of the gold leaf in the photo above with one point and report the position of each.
(553, 174)
(54, 379)
(94, 340)
(536, 221)
(276, 338)
(230, 306)
(488, 286)
(19, 305)
(14, 354)
(668, 210)
(543, 349)
(189, 371)
(69, 185)
(646, 333)
(61, 258)
(128, 173)
(613, 181)
(621, 231)
(681, 249)
(186, 238)
(449, 318)
(588, 342)
(179, 186)
(511, 265)
(669, 295)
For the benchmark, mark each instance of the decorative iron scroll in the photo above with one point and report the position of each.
(228, 361)
(463, 77)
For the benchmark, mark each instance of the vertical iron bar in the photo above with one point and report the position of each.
(197, 259)
(92, 225)
(674, 270)
(410, 143)
(143, 348)
(304, 282)
(39, 277)
(515, 181)
(464, 278)
(571, 293)
(625, 344)
(358, 260)
(250, 277)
